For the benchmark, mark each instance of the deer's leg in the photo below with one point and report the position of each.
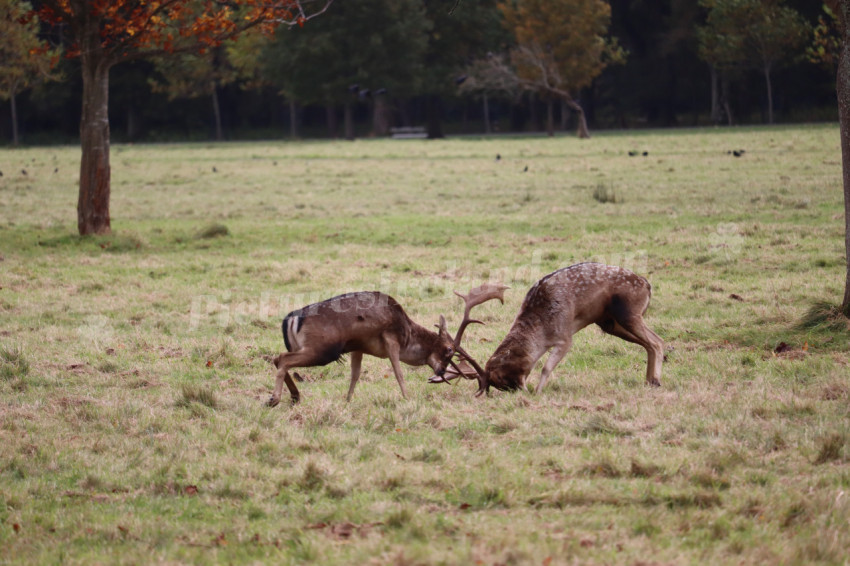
(555, 356)
(356, 358)
(636, 331)
(393, 353)
(284, 363)
(283, 377)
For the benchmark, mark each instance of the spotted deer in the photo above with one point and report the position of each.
(367, 322)
(555, 308)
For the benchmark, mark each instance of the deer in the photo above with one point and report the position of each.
(367, 322)
(554, 309)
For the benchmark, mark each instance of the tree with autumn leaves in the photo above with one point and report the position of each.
(561, 46)
(104, 33)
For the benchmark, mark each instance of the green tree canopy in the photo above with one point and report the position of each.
(24, 58)
(758, 34)
(373, 44)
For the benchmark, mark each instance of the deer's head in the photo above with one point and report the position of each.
(441, 353)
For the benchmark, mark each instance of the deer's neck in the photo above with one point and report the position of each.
(421, 342)
(515, 357)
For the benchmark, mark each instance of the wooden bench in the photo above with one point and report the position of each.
(406, 133)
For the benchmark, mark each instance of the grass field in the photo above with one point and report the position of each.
(133, 380)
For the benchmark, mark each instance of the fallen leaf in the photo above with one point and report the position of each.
(586, 543)
(806, 346)
(209, 363)
(190, 490)
(465, 506)
(16, 527)
(736, 297)
(220, 540)
(124, 530)
(547, 561)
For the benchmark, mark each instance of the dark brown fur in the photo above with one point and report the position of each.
(367, 322)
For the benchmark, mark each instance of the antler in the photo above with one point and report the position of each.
(476, 296)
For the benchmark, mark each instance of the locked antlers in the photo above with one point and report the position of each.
(475, 297)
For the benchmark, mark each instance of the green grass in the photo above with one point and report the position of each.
(133, 367)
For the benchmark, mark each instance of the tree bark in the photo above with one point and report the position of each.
(348, 121)
(534, 114)
(769, 94)
(724, 94)
(550, 117)
(132, 125)
(93, 202)
(293, 120)
(15, 139)
(330, 117)
(565, 116)
(583, 132)
(219, 131)
(433, 113)
(715, 97)
(380, 116)
(843, 94)
(487, 127)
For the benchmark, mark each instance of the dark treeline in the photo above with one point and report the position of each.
(663, 83)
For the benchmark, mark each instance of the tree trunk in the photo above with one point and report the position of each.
(715, 97)
(843, 93)
(769, 94)
(724, 95)
(132, 125)
(535, 116)
(381, 115)
(219, 132)
(487, 128)
(348, 121)
(293, 120)
(15, 139)
(433, 112)
(330, 117)
(550, 117)
(583, 132)
(93, 203)
(565, 116)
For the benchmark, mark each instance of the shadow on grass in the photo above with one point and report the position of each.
(824, 317)
(117, 243)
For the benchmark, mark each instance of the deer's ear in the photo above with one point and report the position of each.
(443, 329)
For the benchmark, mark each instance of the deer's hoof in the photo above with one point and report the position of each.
(272, 402)
(653, 382)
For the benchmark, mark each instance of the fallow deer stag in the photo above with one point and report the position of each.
(555, 308)
(367, 322)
